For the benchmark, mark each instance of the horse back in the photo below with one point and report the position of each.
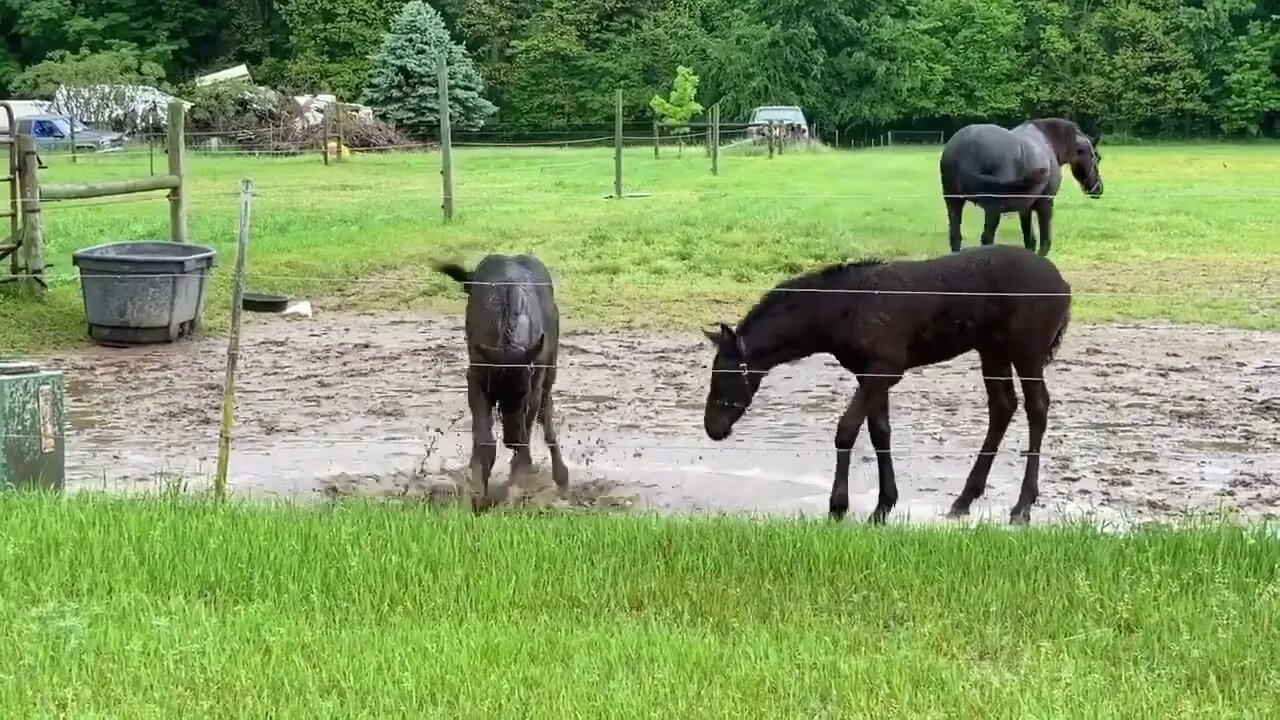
(985, 159)
(513, 303)
(995, 297)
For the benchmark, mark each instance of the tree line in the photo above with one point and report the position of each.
(1150, 68)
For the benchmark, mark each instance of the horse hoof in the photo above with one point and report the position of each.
(838, 508)
(878, 517)
(958, 511)
(560, 476)
(1022, 517)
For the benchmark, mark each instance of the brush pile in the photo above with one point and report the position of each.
(258, 119)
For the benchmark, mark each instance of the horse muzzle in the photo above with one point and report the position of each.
(718, 425)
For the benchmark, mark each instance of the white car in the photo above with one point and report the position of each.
(793, 119)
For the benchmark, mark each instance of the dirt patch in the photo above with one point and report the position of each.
(1146, 421)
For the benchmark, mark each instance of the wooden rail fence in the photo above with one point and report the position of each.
(25, 244)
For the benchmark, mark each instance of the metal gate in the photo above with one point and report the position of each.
(13, 239)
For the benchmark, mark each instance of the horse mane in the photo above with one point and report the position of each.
(1061, 132)
(822, 277)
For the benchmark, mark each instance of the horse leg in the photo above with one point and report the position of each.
(1044, 214)
(517, 432)
(872, 391)
(878, 429)
(955, 213)
(990, 222)
(559, 473)
(1028, 239)
(1036, 395)
(1002, 402)
(484, 448)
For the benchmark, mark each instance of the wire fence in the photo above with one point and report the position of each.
(325, 190)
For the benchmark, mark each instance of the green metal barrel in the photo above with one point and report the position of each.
(32, 448)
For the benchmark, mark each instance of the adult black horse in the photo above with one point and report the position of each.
(1018, 170)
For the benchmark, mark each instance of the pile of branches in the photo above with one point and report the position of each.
(259, 119)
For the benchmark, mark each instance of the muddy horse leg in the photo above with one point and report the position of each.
(871, 395)
(559, 473)
(955, 213)
(517, 432)
(878, 429)
(1028, 238)
(1002, 402)
(990, 221)
(1036, 396)
(1044, 214)
(484, 448)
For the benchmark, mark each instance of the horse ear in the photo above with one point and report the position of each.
(720, 335)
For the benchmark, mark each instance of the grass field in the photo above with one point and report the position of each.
(177, 608)
(174, 607)
(1192, 227)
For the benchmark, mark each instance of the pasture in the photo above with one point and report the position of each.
(1166, 400)
(368, 396)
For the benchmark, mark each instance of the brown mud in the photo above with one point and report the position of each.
(1146, 422)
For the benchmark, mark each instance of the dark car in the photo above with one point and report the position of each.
(792, 119)
(53, 132)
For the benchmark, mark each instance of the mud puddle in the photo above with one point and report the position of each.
(1146, 422)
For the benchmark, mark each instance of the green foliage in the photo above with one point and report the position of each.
(332, 42)
(403, 85)
(1136, 67)
(95, 86)
(683, 105)
(1251, 82)
(124, 65)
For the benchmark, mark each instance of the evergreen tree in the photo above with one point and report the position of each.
(402, 85)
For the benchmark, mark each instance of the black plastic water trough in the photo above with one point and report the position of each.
(143, 292)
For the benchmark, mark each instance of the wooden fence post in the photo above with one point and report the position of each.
(32, 249)
(233, 344)
(656, 126)
(326, 129)
(340, 111)
(617, 144)
(446, 140)
(714, 139)
(179, 197)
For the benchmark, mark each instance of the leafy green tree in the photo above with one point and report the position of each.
(96, 86)
(682, 105)
(403, 84)
(332, 43)
(1251, 84)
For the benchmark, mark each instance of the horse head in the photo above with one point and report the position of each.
(733, 384)
(1084, 165)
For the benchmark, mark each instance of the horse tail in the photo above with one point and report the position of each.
(1057, 339)
(457, 272)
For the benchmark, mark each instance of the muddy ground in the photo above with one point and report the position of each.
(1146, 421)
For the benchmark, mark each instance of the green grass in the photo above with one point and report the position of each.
(1193, 226)
(177, 607)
